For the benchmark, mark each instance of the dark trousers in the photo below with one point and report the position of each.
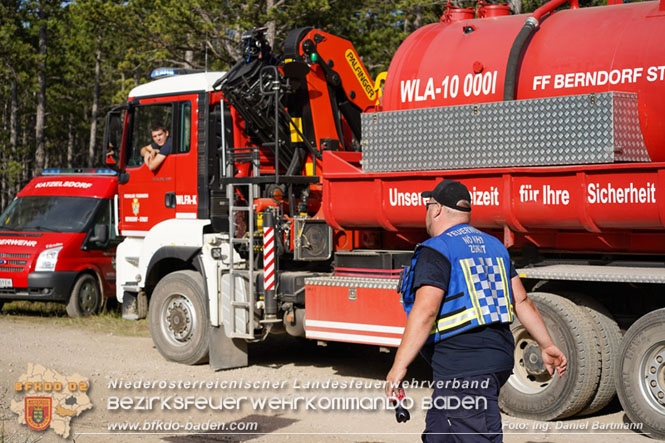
(468, 413)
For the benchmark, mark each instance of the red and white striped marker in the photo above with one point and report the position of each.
(268, 258)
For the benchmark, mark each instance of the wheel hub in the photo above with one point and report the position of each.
(533, 360)
(87, 298)
(530, 376)
(179, 319)
(655, 376)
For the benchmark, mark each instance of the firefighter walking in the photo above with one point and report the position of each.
(461, 293)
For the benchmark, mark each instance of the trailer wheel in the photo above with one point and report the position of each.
(177, 318)
(640, 376)
(609, 335)
(86, 297)
(531, 392)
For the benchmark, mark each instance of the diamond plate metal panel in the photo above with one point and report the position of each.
(354, 282)
(627, 134)
(594, 128)
(626, 274)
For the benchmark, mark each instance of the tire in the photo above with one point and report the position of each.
(178, 318)
(86, 297)
(531, 392)
(640, 376)
(609, 336)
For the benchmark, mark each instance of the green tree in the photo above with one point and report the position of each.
(17, 54)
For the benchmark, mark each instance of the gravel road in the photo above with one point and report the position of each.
(292, 368)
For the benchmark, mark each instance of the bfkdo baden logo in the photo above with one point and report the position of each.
(50, 400)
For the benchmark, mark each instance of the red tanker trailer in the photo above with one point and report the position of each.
(588, 53)
(306, 201)
(473, 99)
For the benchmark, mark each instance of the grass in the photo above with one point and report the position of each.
(109, 321)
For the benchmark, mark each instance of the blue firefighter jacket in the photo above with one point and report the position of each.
(479, 291)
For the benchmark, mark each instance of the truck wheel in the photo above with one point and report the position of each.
(86, 297)
(609, 335)
(178, 319)
(640, 376)
(531, 392)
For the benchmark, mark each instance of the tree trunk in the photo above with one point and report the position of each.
(13, 117)
(189, 54)
(95, 103)
(24, 158)
(515, 6)
(7, 181)
(418, 20)
(40, 116)
(70, 140)
(270, 34)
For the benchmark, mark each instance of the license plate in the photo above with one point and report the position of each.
(6, 283)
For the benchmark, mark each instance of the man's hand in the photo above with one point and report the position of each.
(153, 159)
(528, 314)
(393, 379)
(148, 156)
(145, 150)
(417, 329)
(553, 358)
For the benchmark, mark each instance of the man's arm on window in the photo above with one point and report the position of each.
(154, 161)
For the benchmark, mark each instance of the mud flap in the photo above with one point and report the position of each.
(134, 305)
(225, 352)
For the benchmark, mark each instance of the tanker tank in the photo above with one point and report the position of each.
(596, 53)
(571, 52)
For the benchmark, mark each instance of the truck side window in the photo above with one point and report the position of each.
(184, 127)
(175, 117)
(113, 135)
(142, 119)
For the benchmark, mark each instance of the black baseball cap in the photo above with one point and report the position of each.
(449, 193)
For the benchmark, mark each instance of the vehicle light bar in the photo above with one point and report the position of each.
(78, 171)
(170, 72)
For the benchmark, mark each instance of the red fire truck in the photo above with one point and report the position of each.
(291, 197)
(58, 239)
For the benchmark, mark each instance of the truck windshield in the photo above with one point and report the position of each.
(49, 214)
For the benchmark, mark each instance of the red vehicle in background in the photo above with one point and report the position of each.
(58, 239)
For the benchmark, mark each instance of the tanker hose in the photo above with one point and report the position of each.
(513, 58)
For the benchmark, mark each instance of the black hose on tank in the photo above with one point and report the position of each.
(530, 25)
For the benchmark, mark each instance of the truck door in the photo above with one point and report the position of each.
(148, 197)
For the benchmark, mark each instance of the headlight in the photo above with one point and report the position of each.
(47, 259)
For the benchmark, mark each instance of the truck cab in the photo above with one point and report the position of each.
(58, 239)
(175, 193)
